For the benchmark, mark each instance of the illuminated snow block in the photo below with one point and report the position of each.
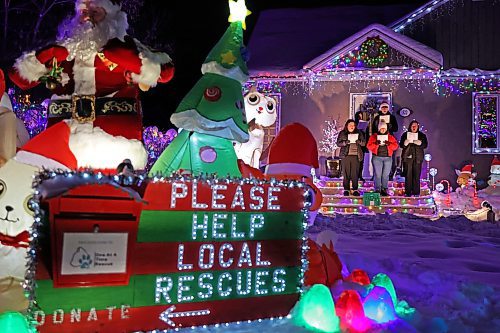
(316, 310)
(359, 276)
(14, 322)
(371, 199)
(404, 310)
(350, 310)
(382, 280)
(378, 305)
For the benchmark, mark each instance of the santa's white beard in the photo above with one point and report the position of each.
(83, 39)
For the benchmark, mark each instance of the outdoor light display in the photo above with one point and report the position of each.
(359, 276)
(372, 53)
(197, 248)
(155, 142)
(335, 203)
(360, 306)
(15, 322)
(349, 307)
(378, 305)
(33, 115)
(382, 280)
(316, 310)
(330, 133)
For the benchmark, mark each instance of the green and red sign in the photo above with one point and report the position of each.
(194, 253)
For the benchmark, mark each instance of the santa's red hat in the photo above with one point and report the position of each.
(467, 168)
(495, 161)
(293, 152)
(49, 149)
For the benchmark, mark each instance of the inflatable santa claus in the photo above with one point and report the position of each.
(13, 133)
(94, 70)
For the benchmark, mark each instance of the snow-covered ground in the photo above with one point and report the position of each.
(448, 269)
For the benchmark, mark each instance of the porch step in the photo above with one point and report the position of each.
(335, 203)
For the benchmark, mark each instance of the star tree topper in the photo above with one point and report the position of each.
(238, 12)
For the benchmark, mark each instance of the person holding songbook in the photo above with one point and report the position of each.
(382, 145)
(413, 143)
(351, 142)
(385, 115)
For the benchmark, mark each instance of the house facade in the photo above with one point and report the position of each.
(437, 64)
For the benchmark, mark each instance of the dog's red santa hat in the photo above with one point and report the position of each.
(50, 150)
(293, 152)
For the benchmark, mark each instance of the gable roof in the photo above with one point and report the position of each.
(420, 52)
(283, 40)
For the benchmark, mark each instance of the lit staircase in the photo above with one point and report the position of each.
(335, 203)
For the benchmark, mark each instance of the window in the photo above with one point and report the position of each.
(369, 102)
(485, 121)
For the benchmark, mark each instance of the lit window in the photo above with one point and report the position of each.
(486, 109)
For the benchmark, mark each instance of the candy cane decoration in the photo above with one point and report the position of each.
(475, 200)
(448, 196)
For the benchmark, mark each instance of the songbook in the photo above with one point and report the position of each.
(352, 137)
(385, 117)
(382, 138)
(363, 125)
(410, 136)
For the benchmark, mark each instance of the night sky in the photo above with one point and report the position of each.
(196, 32)
(187, 30)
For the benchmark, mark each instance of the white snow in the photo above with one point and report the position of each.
(447, 269)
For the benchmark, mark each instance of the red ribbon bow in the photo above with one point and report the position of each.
(21, 240)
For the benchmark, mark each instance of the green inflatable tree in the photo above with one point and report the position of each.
(212, 114)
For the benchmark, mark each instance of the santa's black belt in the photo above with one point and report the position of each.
(86, 108)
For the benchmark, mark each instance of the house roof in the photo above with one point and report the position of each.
(285, 39)
(417, 14)
(418, 51)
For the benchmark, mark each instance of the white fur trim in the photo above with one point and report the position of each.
(84, 76)
(29, 68)
(151, 65)
(5, 102)
(38, 160)
(234, 72)
(191, 120)
(95, 148)
(288, 169)
(64, 79)
(150, 72)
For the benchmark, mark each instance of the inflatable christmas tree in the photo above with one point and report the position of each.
(212, 114)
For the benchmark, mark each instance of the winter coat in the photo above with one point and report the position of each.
(392, 145)
(392, 126)
(343, 143)
(413, 151)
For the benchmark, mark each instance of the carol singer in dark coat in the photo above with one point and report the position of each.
(412, 158)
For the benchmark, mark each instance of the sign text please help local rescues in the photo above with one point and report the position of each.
(206, 252)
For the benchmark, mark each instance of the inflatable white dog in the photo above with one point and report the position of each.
(261, 112)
